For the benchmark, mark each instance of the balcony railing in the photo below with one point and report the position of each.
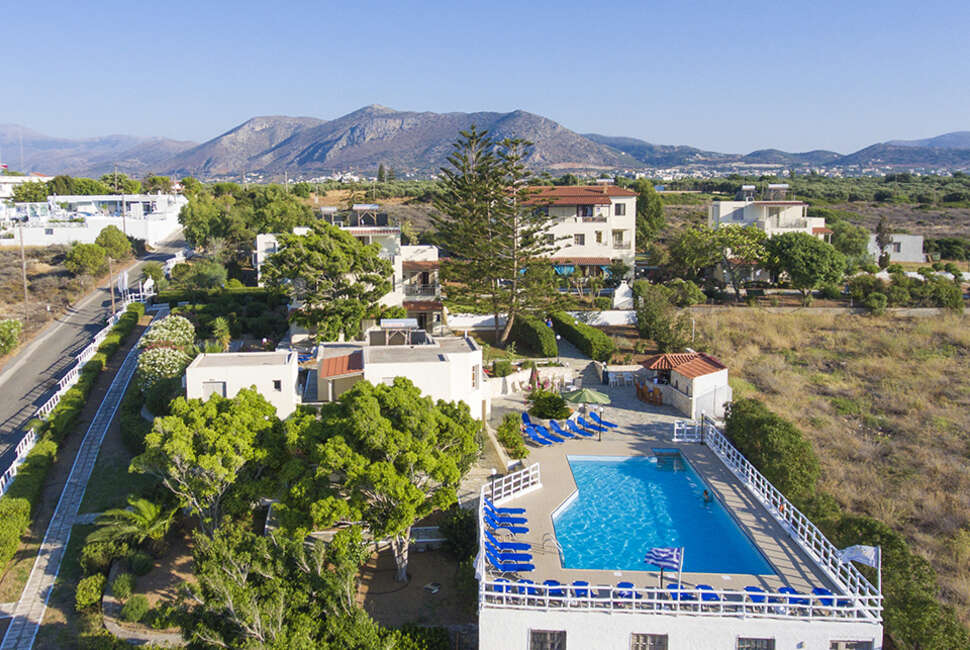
(593, 219)
(622, 245)
(421, 289)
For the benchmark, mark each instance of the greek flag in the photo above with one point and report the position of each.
(665, 557)
(868, 555)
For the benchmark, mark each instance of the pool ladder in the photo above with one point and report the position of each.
(549, 538)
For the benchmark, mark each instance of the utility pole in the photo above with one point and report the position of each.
(23, 266)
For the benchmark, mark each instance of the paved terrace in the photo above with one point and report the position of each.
(643, 427)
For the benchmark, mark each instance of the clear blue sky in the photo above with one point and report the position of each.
(720, 75)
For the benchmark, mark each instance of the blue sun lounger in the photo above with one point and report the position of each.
(678, 592)
(505, 519)
(496, 525)
(536, 438)
(506, 511)
(598, 420)
(506, 546)
(544, 432)
(526, 420)
(508, 556)
(559, 430)
(575, 429)
(589, 425)
(507, 567)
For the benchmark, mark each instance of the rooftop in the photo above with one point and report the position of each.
(688, 364)
(577, 194)
(242, 359)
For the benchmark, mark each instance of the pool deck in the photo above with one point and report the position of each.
(642, 428)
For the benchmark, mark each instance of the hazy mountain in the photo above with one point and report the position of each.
(85, 157)
(775, 156)
(907, 156)
(362, 140)
(954, 140)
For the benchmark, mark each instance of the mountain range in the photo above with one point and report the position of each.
(418, 144)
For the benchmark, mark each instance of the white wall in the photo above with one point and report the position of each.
(607, 317)
(508, 629)
(238, 377)
(568, 224)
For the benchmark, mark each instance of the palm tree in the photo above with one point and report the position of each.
(141, 520)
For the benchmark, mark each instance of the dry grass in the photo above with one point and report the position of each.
(886, 403)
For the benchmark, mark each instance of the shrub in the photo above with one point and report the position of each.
(135, 609)
(510, 436)
(158, 364)
(89, 592)
(161, 394)
(97, 557)
(10, 329)
(165, 616)
(140, 562)
(591, 341)
(14, 519)
(876, 302)
(602, 303)
(831, 291)
(134, 427)
(548, 405)
(535, 335)
(172, 331)
(122, 587)
(502, 368)
(460, 532)
(685, 293)
(416, 637)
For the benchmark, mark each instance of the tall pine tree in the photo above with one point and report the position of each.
(495, 230)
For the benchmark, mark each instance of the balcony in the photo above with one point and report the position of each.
(592, 219)
(426, 290)
(622, 245)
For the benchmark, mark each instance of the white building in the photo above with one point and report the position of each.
(774, 214)
(414, 283)
(692, 382)
(902, 248)
(594, 226)
(8, 183)
(78, 218)
(446, 368)
(274, 375)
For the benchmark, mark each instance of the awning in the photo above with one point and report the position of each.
(564, 269)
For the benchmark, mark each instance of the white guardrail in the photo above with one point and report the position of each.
(66, 382)
(859, 600)
(798, 526)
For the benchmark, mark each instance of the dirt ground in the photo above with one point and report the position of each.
(170, 571)
(394, 604)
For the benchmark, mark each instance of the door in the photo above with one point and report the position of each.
(210, 387)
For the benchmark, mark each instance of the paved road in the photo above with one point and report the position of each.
(30, 378)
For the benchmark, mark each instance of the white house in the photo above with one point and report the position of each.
(774, 213)
(79, 218)
(275, 375)
(902, 248)
(692, 382)
(447, 368)
(594, 225)
(8, 183)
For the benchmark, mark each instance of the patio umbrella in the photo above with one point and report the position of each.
(586, 396)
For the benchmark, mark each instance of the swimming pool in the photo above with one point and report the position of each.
(626, 506)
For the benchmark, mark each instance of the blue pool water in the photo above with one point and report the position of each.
(626, 506)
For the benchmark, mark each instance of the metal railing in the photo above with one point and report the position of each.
(66, 382)
(625, 245)
(514, 484)
(687, 431)
(797, 525)
(420, 289)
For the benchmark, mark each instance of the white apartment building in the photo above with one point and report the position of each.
(595, 225)
(274, 375)
(79, 218)
(774, 213)
(415, 283)
(446, 368)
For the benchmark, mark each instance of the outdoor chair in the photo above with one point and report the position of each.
(526, 420)
(625, 592)
(505, 511)
(508, 567)
(575, 429)
(506, 546)
(508, 556)
(579, 589)
(496, 525)
(589, 425)
(505, 519)
(555, 590)
(559, 430)
(600, 421)
(678, 592)
(758, 597)
(544, 432)
(539, 440)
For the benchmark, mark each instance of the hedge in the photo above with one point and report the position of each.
(913, 615)
(532, 333)
(591, 341)
(89, 592)
(24, 492)
(510, 435)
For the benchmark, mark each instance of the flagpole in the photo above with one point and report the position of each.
(680, 569)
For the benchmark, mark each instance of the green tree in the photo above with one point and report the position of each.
(650, 213)
(86, 259)
(62, 185)
(201, 449)
(808, 261)
(658, 319)
(495, 228)
(884, 237)
(154, 184)
(191, 186)
(849, 239)
(33, 192)
(114, 242)
(120, 183)
(203, 274)
(220, 332)
(10, 329)
(742, 249)
(693, 251)
(336, 278)
(141, 521)
(381, 173)
(154, 270)
(384, 455)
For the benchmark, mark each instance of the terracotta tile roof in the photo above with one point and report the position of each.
(347, 364)
(821, 231)
(688, 364)
(420, 265)
(582, 261)
(577, 194)
(422, 305)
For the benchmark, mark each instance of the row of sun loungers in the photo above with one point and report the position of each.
(507, 557)
(571, 429)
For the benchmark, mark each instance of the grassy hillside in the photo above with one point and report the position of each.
(886, 404)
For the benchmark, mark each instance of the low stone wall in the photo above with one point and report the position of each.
(498, 386)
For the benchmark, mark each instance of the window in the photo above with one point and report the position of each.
(618, 239)
(851, 645)
(584, 211)
(277, 384)
(475, 371)
(620, 210)
(599, 236)
(774, 213)
(648, 641)
(579, 240)
(48, 231)
(755, 644)
(547, 640)
(897, 247)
